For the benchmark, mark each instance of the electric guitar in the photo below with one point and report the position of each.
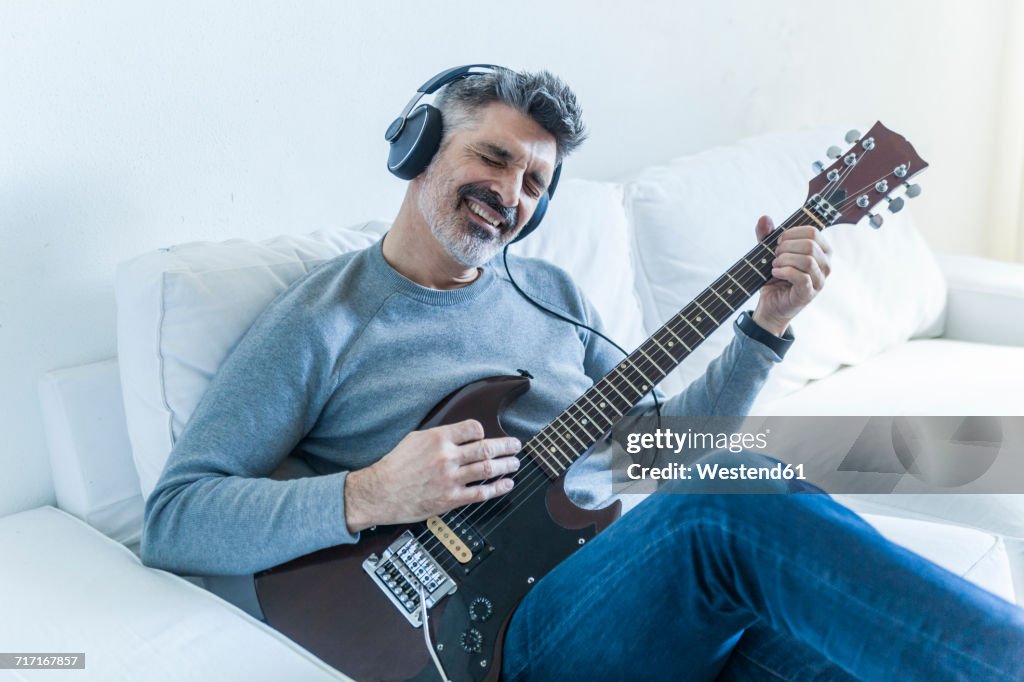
(432, 600)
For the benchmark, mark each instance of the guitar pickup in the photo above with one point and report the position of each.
(461, 540)
(402, 569)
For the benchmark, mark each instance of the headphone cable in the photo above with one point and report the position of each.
(556, 314)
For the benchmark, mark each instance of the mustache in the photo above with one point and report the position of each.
(492, 199)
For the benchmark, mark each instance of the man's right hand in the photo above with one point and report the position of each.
(428, 473)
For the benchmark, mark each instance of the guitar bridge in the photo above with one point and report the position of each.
(402, 569)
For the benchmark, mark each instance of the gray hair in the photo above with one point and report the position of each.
(542, 96)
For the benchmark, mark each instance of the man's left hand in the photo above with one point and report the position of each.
(798, 273)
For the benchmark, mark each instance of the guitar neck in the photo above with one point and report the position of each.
(593, 414)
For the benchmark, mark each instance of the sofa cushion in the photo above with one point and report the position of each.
(976, 556)
(68, 588)
(695, 217)
(181, 310)
(935, 377)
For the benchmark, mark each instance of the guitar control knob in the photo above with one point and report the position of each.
(876, 220)
(913, 190)
(852, 136)
(472, 641)
(480, 609)
(817, 166)
(896, 205)
(834, 152)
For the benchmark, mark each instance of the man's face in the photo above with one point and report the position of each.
(484, 184)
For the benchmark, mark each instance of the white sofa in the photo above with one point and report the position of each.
(640, 249)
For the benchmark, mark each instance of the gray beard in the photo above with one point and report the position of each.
(470, 245)
(466, 242)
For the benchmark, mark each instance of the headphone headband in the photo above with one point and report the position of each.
(429, 88)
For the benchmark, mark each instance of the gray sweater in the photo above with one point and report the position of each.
(347, 361)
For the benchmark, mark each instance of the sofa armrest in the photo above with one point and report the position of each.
(985, 302)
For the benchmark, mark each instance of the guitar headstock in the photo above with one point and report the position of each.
(877, 169)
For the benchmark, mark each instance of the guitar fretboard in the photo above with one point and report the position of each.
(594, 413)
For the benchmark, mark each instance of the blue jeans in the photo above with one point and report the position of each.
(756, 587)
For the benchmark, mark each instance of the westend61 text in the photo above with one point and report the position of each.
(710, 472)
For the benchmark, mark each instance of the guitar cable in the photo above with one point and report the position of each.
(554, 313)
(426, 635)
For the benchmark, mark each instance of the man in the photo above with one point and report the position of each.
(342, 367)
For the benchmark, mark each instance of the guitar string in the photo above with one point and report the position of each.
(753, 285)
(848, 202)
(525, 488)
(468, 512)
(480, 509)
(714, 303)
(528, 486)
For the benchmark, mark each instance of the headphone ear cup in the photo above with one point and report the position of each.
(416, 145)
(534, 223)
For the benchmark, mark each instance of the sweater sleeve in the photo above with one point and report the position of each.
(731, 382)
(728, 387)
(214, 511)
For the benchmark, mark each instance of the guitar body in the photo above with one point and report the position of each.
(328, 603)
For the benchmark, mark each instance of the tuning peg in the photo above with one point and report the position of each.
(852, 136)
(817, 166)
(876, 220)
(913, 190)
(895, 205)
(834, 152)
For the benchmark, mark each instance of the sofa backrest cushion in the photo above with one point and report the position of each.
(694, 217)
(181, 310)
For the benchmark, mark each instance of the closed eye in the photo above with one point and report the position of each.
(533, 191)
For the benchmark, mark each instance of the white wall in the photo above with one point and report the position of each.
(126, 126)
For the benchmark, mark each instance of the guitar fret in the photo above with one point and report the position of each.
(540, 452)
(617, 390)
(569, 428)
(626, 379)
(586, 397)
(607, 422)
(640, 350)
(692, 327)
(752, 267)
(584, 422)
(553, 450)
(605, 398)
(669, 330)
(663, 350)
(570, 431)
(697, 303)
(737, 284)
(727, 304)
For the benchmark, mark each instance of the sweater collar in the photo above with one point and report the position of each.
(425, 294)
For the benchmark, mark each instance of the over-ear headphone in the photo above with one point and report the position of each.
(416, 135)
